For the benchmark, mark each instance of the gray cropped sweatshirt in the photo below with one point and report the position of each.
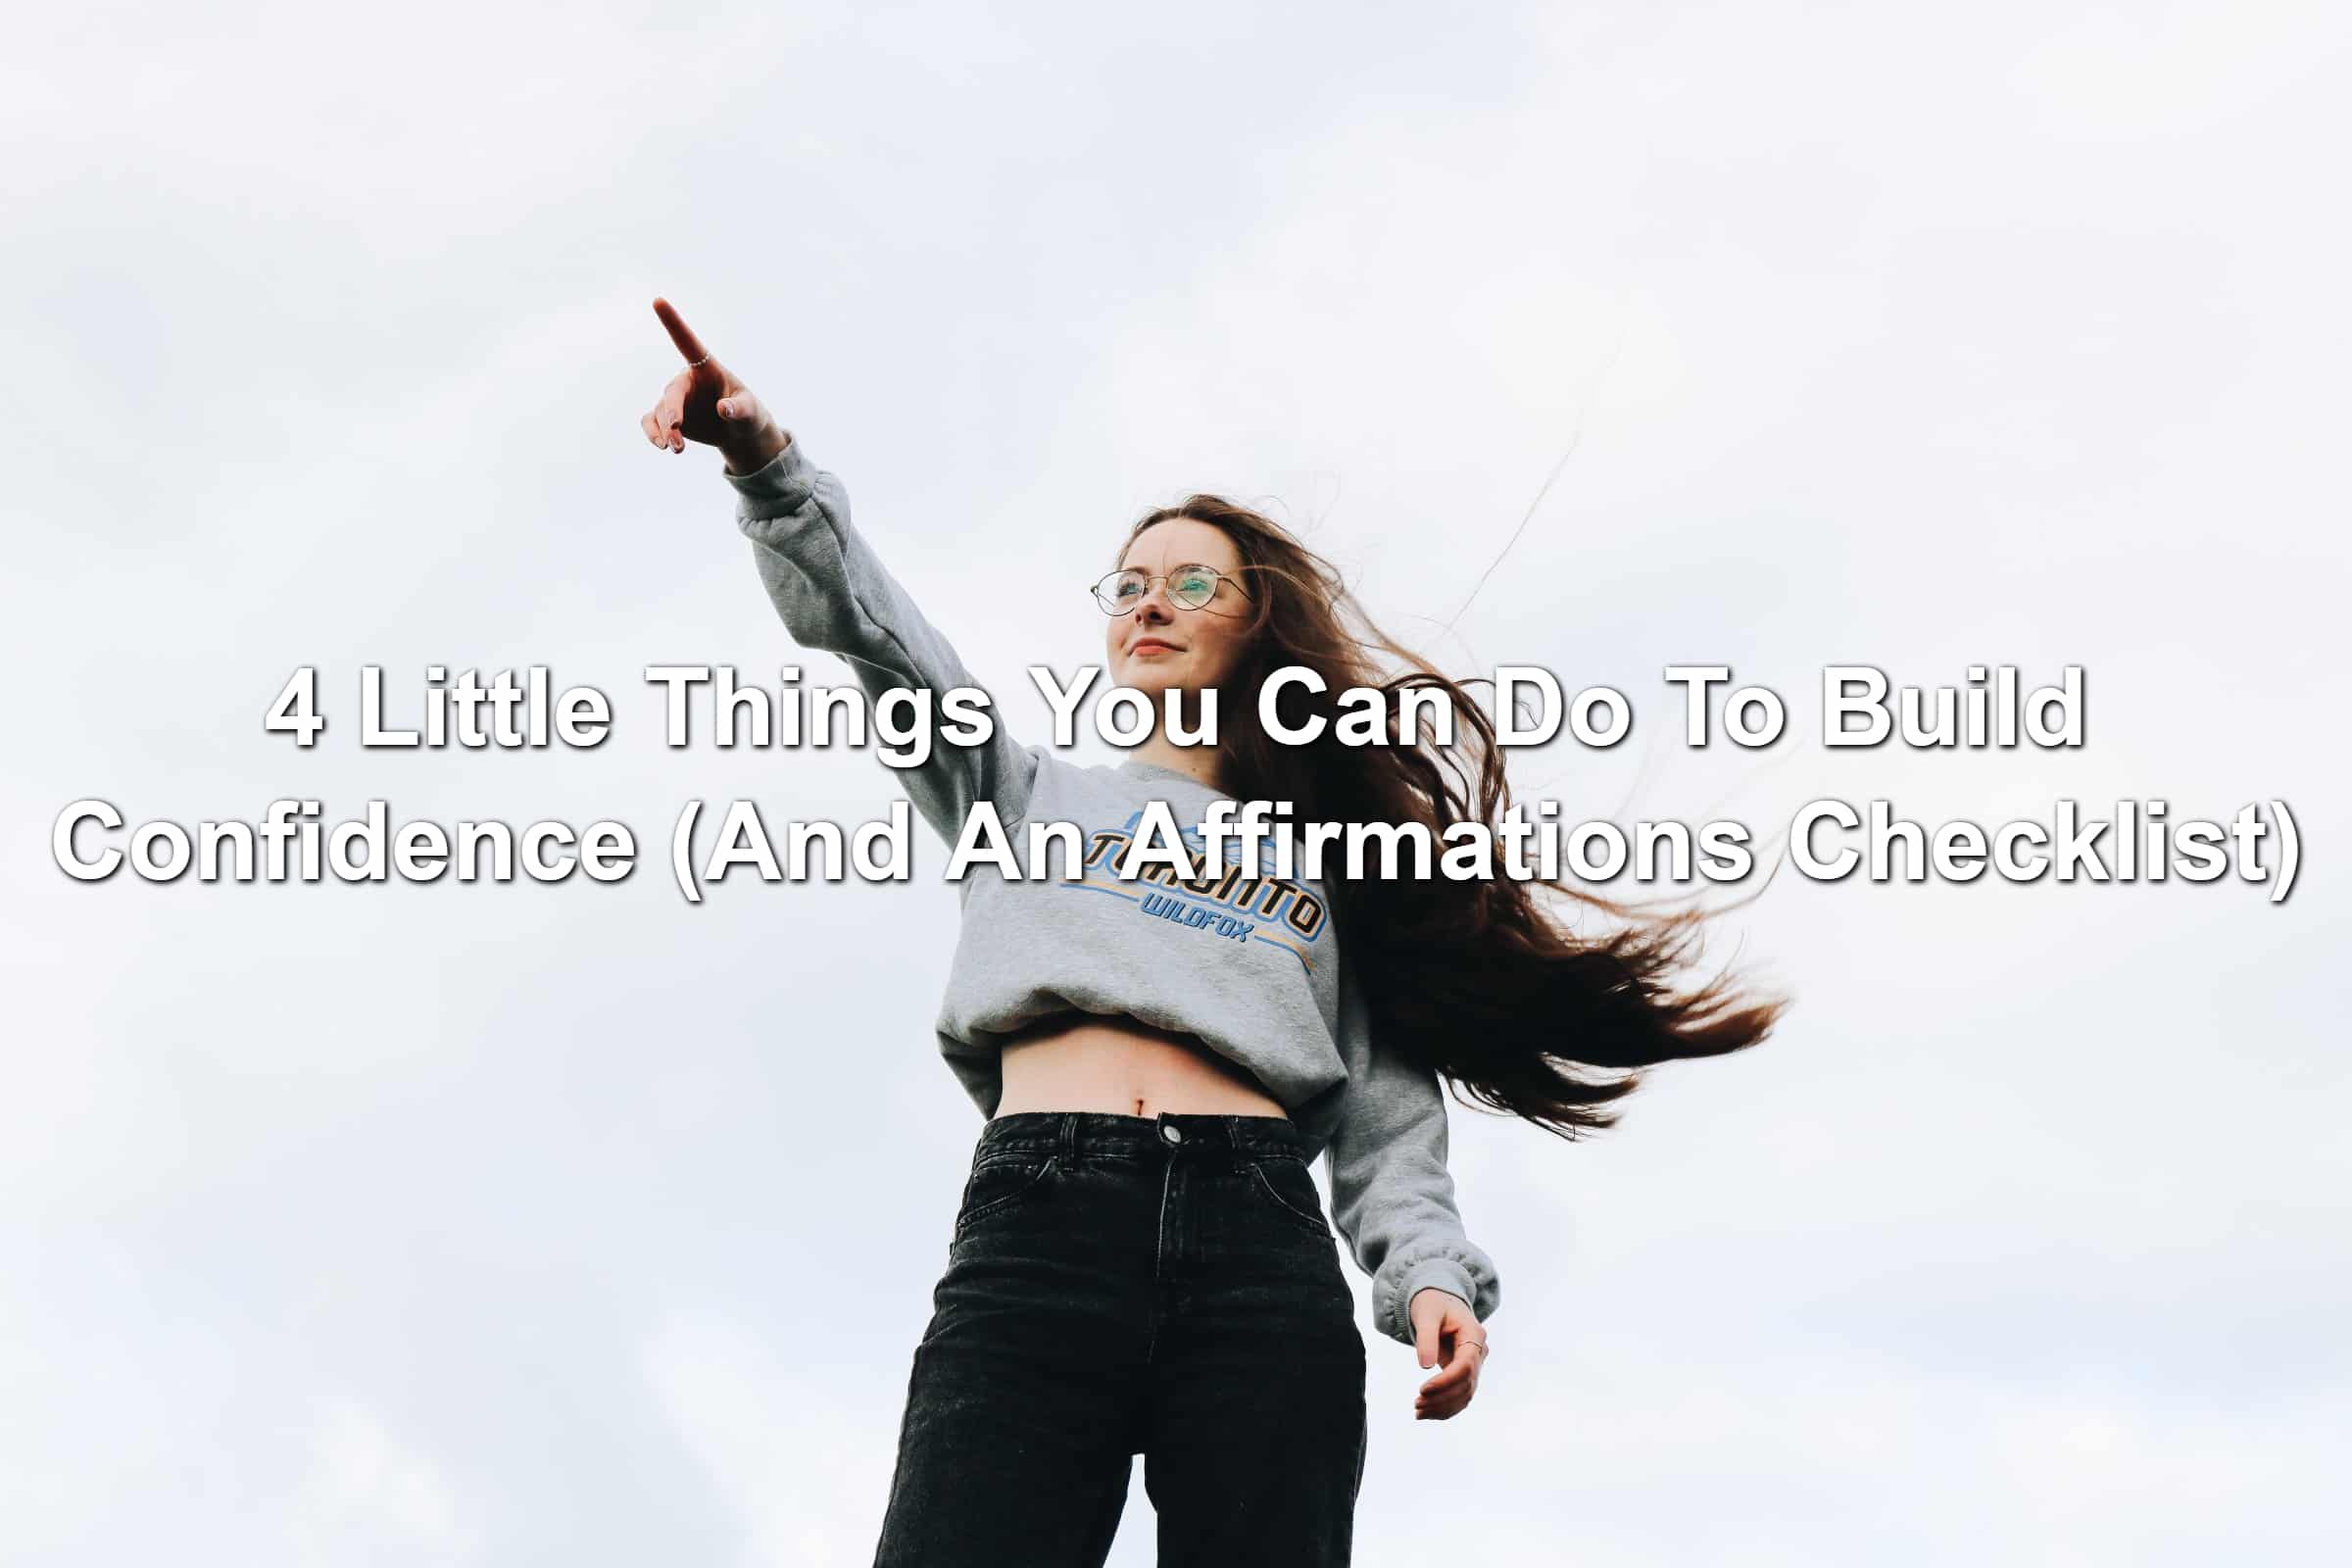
(1249, 963)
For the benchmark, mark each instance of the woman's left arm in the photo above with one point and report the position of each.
(1393, 1198)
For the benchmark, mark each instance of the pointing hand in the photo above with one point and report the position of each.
(706, 402)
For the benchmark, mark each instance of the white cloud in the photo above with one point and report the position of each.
(797, 1470)
(370, 1496)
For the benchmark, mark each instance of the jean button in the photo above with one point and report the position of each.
(1169, 1130)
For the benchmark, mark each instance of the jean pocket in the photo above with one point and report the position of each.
(1000, 1183)
(1289, 1189)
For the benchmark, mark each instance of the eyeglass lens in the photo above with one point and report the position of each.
(1188, 587)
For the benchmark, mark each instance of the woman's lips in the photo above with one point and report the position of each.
(1149, 645)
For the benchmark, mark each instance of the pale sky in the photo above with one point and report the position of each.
(445, 1224)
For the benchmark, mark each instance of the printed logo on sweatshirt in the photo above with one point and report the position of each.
(1229, 903)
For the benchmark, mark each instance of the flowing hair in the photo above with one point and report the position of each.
(1474, 978)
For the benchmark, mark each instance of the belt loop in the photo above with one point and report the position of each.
(1233, 1142)
(1065, 1150)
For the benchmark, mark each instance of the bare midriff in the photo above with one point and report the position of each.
(1085, 1061)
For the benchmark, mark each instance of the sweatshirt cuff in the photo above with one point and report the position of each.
(783, 485)
(1393, 1308)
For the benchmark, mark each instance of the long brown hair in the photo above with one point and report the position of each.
(1473, 978)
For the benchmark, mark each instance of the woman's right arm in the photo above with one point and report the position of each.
(828, 585)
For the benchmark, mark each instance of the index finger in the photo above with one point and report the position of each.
(680, 333)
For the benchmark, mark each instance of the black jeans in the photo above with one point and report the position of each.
(1122, 1285)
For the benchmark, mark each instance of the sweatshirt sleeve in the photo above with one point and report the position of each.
(834, 593)
(1390, 1192)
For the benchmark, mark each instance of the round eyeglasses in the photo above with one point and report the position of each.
(1190, 587)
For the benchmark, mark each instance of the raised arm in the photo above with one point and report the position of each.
(828, 585)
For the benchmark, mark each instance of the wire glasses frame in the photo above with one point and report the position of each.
(1190, 586)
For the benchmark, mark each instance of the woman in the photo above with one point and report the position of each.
(1140, 1262)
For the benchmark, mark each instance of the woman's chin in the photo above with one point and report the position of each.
(1140, 674)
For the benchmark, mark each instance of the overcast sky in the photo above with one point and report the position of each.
(488, 1224)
